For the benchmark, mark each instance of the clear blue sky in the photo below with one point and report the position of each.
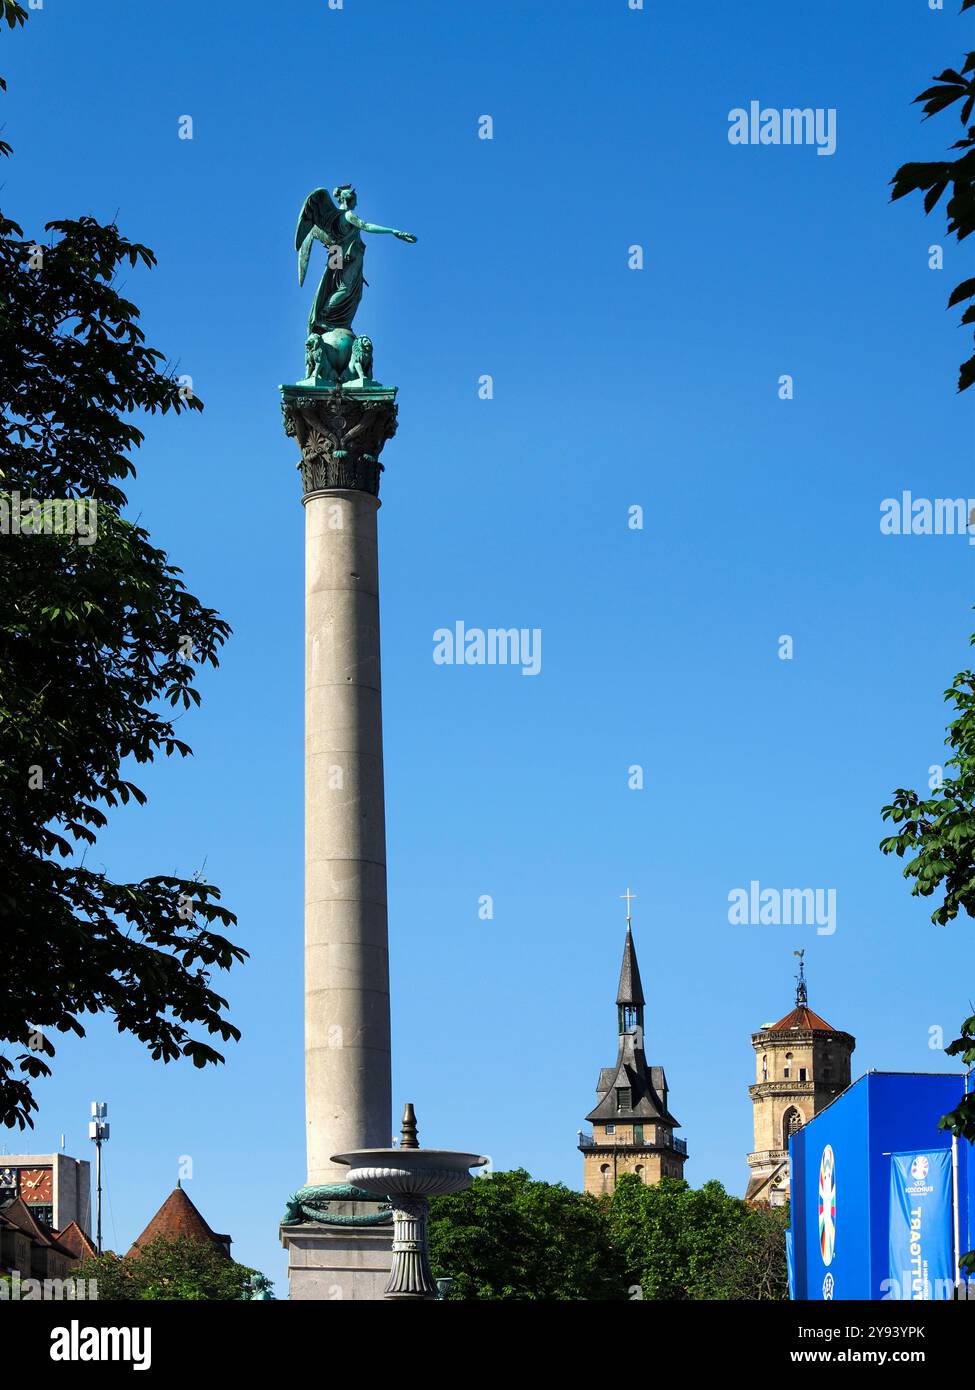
(612, 388)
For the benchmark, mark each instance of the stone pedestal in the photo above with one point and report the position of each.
(347, 1035)
(333, 1262)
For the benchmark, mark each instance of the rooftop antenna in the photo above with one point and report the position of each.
(802, 997)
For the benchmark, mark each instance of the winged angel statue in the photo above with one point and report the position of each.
(331, 354)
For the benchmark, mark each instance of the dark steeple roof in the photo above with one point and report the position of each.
(644, 1087)
(631, 988)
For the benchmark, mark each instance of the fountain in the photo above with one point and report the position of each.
(407, 1177)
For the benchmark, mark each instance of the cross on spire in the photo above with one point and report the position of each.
(628, 897)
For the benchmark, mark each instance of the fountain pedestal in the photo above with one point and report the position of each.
(407, 1178)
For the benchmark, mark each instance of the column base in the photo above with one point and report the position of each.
(339, 1242)
(338, 1263)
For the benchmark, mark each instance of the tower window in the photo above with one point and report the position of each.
(788, 1066)
(610, 1129)
(765, 1068)
(791, 1121)
(624, 1098)
(803, 1074)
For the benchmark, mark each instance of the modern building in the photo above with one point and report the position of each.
(632, 1127)
(802, 1064)
(56, 1187)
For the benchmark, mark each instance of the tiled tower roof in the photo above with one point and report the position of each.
(802, 1018)
(179, 1217)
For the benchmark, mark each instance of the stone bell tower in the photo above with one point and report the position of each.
(801, 1064)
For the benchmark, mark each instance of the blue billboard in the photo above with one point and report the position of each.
(871, 1192)
(920, 1224)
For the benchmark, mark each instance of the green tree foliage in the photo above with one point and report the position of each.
(684, 1243)
(12, 14)
(938, 832)
(958, 175)
(168, 1270)
(510, 1237)
(99, 643)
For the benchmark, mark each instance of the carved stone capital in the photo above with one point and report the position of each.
(341, 435)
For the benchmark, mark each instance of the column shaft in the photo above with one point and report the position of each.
(347, 1034)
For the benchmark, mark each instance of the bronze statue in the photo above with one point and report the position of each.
(340, 229)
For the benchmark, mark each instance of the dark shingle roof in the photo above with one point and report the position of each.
(631, 988)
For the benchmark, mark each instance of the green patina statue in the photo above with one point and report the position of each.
(316, 1204)
(334, 355)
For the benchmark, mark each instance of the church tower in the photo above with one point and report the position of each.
(801, 1064)
(632, 1127)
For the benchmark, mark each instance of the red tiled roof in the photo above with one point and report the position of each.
(802, 1019)
(76, 1242)
(179, 1217)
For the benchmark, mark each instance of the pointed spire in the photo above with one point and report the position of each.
(631, 987)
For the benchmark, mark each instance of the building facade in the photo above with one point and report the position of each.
(801, 1064)
(632, 1127)
(56, 1187)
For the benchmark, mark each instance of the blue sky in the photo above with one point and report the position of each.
(612, 388)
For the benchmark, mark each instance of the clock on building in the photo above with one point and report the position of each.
(37, 1190)
(37, 1186)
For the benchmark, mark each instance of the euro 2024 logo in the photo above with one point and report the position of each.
(827, 1205)
(919, 1168)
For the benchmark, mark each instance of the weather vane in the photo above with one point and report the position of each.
(801, 995)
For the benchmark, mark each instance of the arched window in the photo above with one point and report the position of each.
(639, 1171)
(791, 1121)
(604, 1174)
(788, 1066)
(765, 1067)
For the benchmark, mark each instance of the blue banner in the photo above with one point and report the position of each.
(920, 1225)
(790, 1262)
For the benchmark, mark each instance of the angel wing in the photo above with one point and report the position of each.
(320, 220)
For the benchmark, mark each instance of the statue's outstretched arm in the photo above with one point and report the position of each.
(355, 221)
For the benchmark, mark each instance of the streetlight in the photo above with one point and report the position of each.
(98, 1131)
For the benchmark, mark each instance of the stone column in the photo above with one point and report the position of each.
(347, 1033)
(347, 1052)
